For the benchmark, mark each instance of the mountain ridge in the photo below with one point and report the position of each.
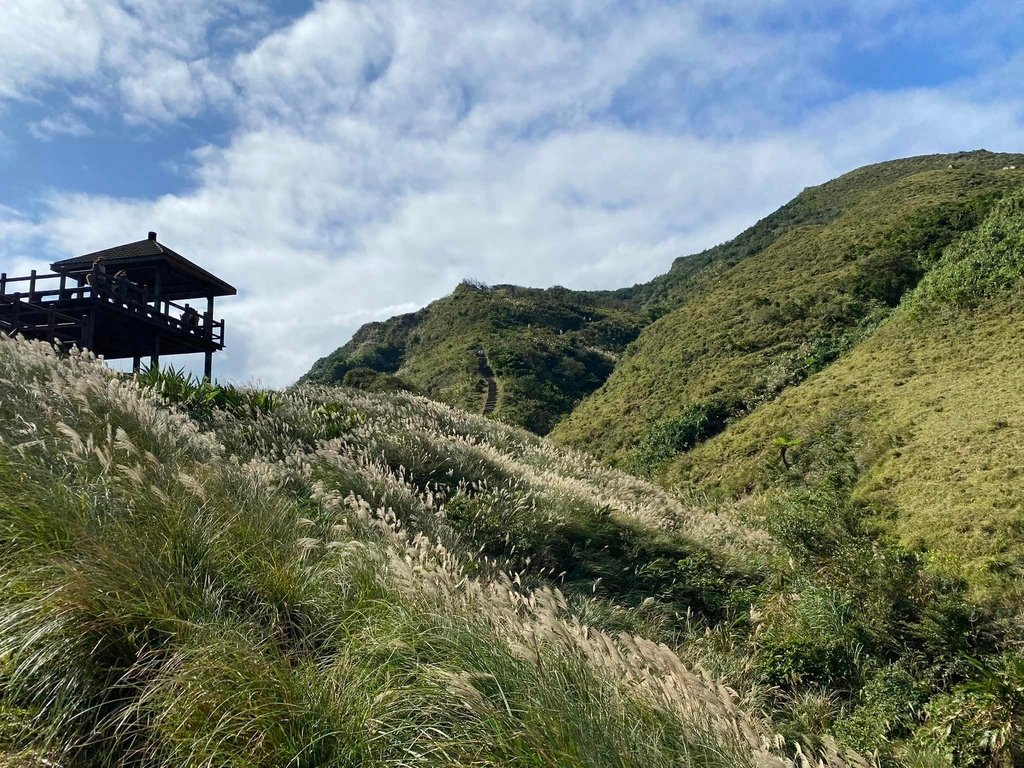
(561, 355)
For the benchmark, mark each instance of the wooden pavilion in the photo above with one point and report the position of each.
(122, 302)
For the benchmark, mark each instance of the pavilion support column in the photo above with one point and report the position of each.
(154, 360)
(157, 287)
(208, 333)
(89, 334)
(136, 364)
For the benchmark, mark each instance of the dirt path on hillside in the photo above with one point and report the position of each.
(492, 387)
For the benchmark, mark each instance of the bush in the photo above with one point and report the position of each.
(370, 380)
(697, 422)
(885, 709)
(980, 723)
(983, 263)
(199, 397)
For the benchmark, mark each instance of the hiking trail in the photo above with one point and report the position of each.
(488, 376)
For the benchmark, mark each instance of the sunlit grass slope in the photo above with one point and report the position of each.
(932, 402)
(548, 349)
(788, 308)
(312, 579)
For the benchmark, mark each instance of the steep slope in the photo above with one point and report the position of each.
(819, 205)
(546, 348)
(551, 348)
(194, 575)
(234, 585)
(788, 309)
(930, 407)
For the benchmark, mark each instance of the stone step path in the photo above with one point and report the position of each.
(488, 376)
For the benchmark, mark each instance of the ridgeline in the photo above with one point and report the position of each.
(815, 558)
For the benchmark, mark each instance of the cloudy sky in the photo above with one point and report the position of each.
(342, 161)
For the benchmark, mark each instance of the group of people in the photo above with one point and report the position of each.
(120, 286)
(190, 318)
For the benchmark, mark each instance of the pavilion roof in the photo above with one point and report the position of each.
(141, 260)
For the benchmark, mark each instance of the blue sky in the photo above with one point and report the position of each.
(343, 161)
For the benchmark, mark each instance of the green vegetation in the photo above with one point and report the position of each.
(202, 398)
(668, 438)
(932, 397)
(984, 264)
(613, 372)
(847, 253)
(187, 582)
(834, 397)
(891, 478)
(832, 564)
(337, 577)
(547, 348)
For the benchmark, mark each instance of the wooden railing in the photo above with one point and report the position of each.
(33, 319)
(131, 298)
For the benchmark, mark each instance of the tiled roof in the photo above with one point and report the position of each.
(128, 250)
(141, 253)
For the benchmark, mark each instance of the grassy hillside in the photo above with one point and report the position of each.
(547, 349)
(832, 565)
(249, 581)
(193, 575)
(931, 402)
(842, 257)
(729, 335)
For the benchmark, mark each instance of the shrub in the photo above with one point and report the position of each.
(983, 263)
(199, 397)
(370, 380)
(981, 722)
(697, 422)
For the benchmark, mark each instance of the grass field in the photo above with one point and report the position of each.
(278, 579)
(790, 308)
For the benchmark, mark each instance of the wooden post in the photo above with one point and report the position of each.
(208, 320)
(154, 359)
(208, 366)
(3, 283)
(136, 364)
(49, 322)
(63, 285)
(32, 285)
(90, 330)
(157, 284)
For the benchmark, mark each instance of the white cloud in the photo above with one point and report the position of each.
(165, 89)
(46, 40)
(151, 59)
(384, 151)
(65, 124)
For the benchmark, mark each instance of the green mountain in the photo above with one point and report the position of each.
(621, 372)
(826, 570)
(928, 404)
(837, 391)
(547, 349)
(793, 293)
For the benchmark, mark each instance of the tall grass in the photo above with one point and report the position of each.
(245, 592)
